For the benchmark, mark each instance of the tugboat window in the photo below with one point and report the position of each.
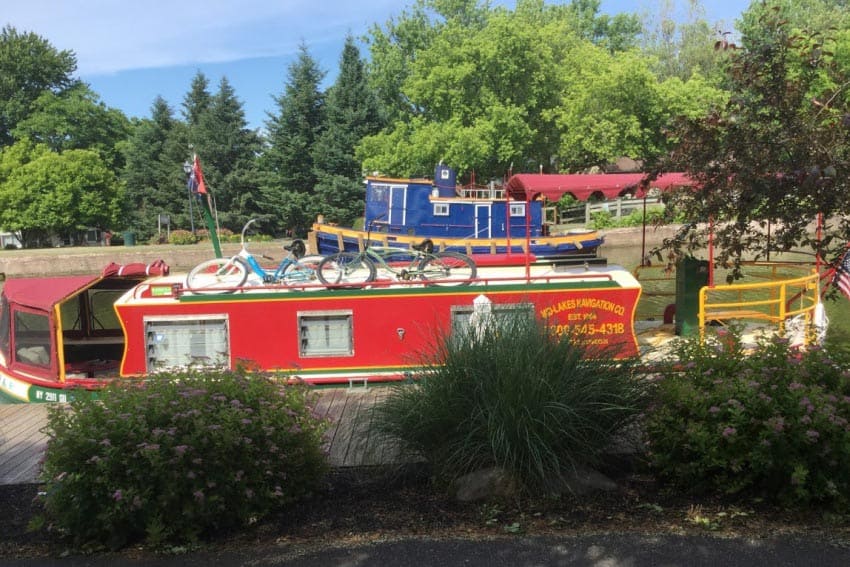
(518, 210)
(441, 209)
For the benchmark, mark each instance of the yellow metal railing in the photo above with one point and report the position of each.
(774, 301)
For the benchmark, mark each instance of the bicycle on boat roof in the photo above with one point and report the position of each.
(225, 275)
(420, 262)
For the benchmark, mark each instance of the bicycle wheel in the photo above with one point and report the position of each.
(219, 275)
(345, 267)
(447, 268)
(304, 271)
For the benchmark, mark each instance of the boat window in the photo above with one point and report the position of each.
(102, 313)
(517, 209)
(465, 316)
(186, 341)
(380, 193)
(326, 333)
(32, 338)
(5, 327)
(91, 314)
(71, 316)
(441, 209)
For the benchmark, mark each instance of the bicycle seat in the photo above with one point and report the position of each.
(426, 246)
(297, 248)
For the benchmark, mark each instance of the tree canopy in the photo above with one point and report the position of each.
(29, 67)
(44, 193)
(777, 154)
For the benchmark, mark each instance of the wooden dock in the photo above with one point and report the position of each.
(349, 438)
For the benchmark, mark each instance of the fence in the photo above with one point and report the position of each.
(583, 213)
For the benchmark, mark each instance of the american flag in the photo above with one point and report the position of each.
(842, 275)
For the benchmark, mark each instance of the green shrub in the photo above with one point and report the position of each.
(180, 458)
(513, 395)
(770, 422)
(654, 215)
(182, 237)
(601, 219)
(224, 235)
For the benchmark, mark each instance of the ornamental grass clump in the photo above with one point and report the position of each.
(771, 421)
(180, 458)
(512, 394)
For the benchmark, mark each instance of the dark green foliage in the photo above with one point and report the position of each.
(228, 150)
(197, 101)
(179, 458)
(340, 199)
(516, 396)
(351, 112)
(29, 67)
(289, 176)
(76, 119)
(772, 421)
(154, 177)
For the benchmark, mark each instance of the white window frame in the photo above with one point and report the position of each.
(517, 209)
(441, 209)
(189, 340)
(325, 333)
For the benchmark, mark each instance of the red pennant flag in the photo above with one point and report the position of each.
(197, 181)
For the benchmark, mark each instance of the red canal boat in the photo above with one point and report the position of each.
(66, 336)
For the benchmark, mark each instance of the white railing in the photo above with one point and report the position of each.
(583, 213)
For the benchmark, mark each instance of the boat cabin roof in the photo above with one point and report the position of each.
(44, 293)
(529, 186)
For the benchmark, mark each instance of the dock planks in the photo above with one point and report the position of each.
(350, 438)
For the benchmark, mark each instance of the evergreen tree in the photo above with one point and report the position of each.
(287, 163)
(228, 150)
(153, 175)
(351, 112)
(197, 101)
(29, 67)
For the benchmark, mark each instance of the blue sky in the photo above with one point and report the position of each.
(132, 51)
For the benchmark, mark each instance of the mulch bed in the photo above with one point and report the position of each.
(358, 506)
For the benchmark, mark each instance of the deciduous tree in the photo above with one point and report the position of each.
(29, 67)
(778, 153)
(45, 193)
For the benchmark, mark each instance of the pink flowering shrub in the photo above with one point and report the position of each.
(182, 457)
(770, 422)
(182, 237)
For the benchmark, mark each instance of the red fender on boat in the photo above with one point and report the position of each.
(155, 268)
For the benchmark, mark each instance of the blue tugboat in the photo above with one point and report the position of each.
(474, 221)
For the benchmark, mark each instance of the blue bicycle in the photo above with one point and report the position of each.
(226, 275)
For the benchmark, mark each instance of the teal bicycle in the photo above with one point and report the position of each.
(418, 263)
(226, 275)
